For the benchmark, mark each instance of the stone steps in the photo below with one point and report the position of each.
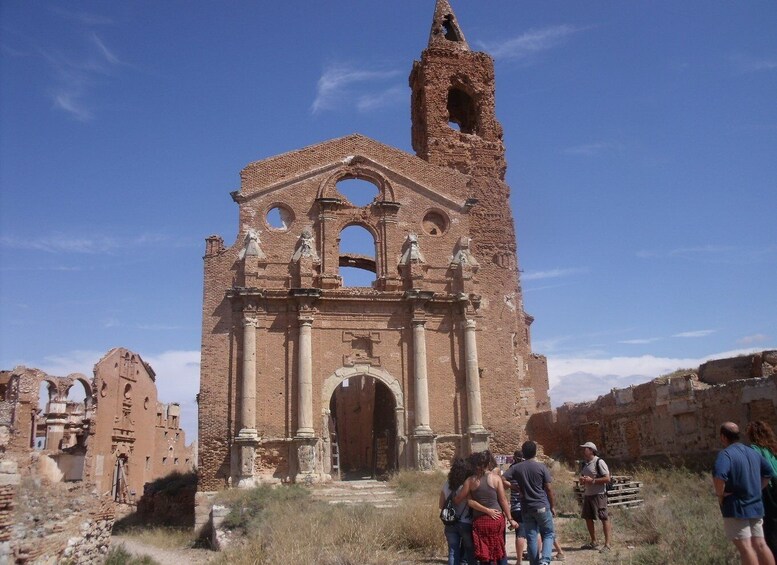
(353, 493)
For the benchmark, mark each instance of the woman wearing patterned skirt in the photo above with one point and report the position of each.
(487, 499)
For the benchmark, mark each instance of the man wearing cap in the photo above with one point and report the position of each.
(740, 474)
(594, 476)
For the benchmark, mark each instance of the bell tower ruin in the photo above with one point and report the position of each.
(304, 378)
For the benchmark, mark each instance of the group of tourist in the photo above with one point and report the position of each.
(744, 478)
(745, 481)
(476, 488)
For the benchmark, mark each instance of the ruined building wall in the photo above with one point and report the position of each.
(670, 417)
(441, 332)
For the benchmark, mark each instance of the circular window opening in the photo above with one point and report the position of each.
(279, 218)
(435, 223)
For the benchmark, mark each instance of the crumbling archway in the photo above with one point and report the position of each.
(364, 422)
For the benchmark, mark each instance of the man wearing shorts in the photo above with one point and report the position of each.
(595, 475)
(740, 474)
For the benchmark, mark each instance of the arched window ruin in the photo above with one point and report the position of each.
(357, 257)
(358, 192)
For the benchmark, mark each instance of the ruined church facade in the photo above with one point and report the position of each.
(303, 378)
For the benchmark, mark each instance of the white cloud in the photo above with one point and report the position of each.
(84, 18)
(76, 75)
(750, 64)
(552, 273)
(338, 84)
(377, 100)
(753, 339)
(178, 380)
(640, 341)
(93, 244)
(70, 101)
(696, 333)
(530, 43)
(726, 254)
(576, 379)
(106, 53)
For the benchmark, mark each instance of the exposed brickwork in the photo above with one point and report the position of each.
(670, 417)
(460, 268)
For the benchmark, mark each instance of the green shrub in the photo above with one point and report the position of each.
(249, 508)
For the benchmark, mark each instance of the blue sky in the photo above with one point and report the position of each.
(642, 152)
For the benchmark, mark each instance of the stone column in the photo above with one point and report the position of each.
(473, 378)
(305, 378)
(421, 382)
(248, 381)
(247, 438)
(425, 457)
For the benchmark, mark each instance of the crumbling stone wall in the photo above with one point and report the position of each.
(671, 417)
(59, 522)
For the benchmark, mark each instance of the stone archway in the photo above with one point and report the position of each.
(363, 412)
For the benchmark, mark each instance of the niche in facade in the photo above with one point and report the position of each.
(358, 192)
(435, 223)
(357, 257)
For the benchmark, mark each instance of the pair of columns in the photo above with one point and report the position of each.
(304, 378)
(472, 370)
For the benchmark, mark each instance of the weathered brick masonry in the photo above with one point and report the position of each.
(64, 463)
(299, 373)
(671, 417)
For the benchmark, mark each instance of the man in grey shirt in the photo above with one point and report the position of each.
(537, 502)
(595, 475)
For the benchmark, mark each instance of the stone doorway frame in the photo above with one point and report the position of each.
(328, 389)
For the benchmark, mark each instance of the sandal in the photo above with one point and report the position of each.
(590, 545)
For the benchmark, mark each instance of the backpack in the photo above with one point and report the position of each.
(599, 473)
(448, 512)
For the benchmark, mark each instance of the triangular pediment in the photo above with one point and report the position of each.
(443, 185)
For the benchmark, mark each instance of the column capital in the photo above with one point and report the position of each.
(470, 323)
(418, 322)
(250, 320)
(305, 319)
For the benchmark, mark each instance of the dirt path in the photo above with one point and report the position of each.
(574, 555)
(164, 556)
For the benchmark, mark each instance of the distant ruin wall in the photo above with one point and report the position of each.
(668, 418)
(721, 371)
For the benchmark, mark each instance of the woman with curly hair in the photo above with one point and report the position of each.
(488, 502)
(763, 440)
(458, 535)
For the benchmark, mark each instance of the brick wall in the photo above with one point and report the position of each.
(670, 417)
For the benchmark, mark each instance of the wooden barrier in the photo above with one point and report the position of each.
(624, 492)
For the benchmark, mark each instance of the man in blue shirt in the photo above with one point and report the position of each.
(740, 474)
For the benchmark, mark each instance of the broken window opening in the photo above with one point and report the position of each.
(358, 192)
(451, 32)
(46, 393)
(279, 218)
(462, 111)
(357, 263)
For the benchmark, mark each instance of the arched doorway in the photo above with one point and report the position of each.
(365, 432)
